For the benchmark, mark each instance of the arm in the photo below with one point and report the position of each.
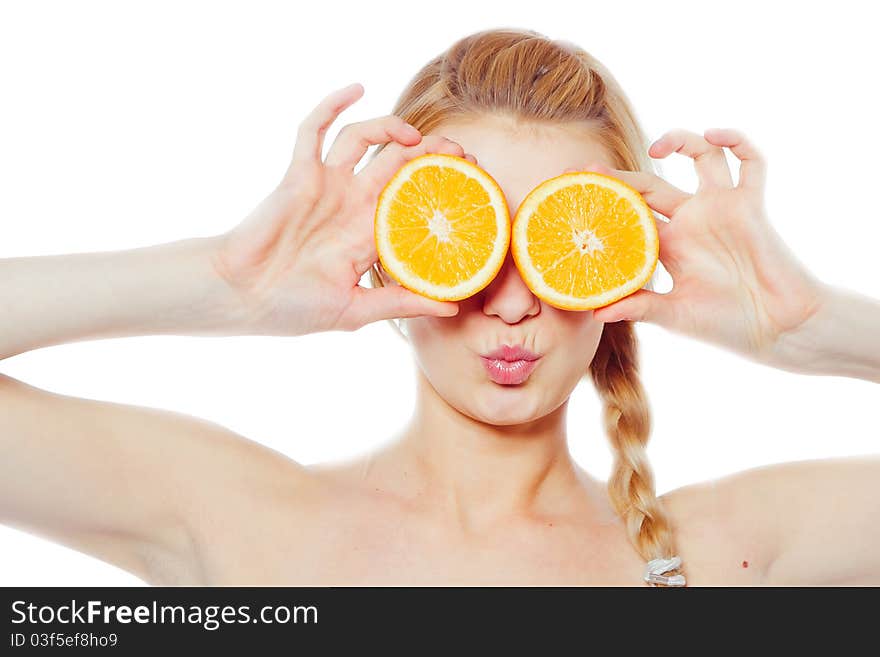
(130, 484)
(169, 288)
(842, 338)
(737, 285)
(123, 483)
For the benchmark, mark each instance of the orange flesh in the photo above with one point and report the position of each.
(459, 211)
(585, 240)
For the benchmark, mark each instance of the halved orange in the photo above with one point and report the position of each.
(583, 240)
(442, 227)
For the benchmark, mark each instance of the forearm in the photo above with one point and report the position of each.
(170, 288)
(841, 339)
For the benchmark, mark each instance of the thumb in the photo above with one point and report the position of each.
(373, 304)
(640, 306)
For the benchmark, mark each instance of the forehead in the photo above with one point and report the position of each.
(519, 155)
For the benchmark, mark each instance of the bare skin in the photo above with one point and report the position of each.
(178, 500)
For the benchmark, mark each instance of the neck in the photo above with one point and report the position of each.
(480, 472)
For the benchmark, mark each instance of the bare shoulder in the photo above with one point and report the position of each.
(131, 485)
(722, 528)
(233, 481)
(806, 522)
(820, 516)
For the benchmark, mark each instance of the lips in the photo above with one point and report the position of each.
(510, 365)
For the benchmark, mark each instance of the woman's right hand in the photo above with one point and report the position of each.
(297, 259)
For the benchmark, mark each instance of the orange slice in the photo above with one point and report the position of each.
(442, 227)
(583, 240)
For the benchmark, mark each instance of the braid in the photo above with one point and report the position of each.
(627, 422)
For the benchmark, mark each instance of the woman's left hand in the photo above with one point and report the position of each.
(735, 282)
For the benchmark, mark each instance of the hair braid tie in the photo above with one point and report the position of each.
(656, 567)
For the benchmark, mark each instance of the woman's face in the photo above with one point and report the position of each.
(449, 349)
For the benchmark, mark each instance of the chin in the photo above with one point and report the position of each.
(507, 405)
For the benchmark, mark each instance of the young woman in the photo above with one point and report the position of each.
(480, 487)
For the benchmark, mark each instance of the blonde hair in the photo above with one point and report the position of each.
(526, 75)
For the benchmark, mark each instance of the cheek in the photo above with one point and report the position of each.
(575, 325)
(577, 337)
(434, 337)
(442, 349)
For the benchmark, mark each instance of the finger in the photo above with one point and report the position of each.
(310, 135)
(353, 140)
(380, 170)
(659, 194)
(373, 304)
(640, 306)
(753, 166)
(709, 160)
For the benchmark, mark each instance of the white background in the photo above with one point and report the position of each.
(128, 124)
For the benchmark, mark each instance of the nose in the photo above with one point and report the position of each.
(508, 296)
